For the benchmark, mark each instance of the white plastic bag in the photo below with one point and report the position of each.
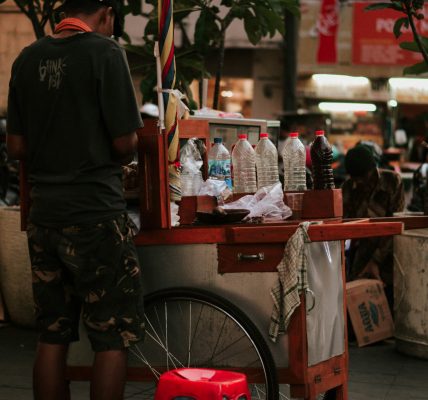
(267, 203)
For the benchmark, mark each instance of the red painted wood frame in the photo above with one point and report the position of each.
(153, 169)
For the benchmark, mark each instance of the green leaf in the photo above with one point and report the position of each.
(252, 28)
(382, 6)
(379, 6)
(126, 37)
(151, 27)
(399, 24)
(206, 30)
(413, 46)
(416, 69)
(397, 5)
(273, 21)
(135, 6)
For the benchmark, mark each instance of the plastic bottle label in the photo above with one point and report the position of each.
(220, 169)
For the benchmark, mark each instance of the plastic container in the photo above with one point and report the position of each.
(244, 166)
(191, 183)
(219, 163)
(266, 162)
(322, 158)
(294, 158)
(191, 163)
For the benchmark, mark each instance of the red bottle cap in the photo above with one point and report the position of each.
(242, 136)
(294, 134)
(319, 133)
(264, 135)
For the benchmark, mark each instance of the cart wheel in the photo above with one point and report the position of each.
(188, 327)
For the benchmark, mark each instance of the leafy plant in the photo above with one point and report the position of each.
(412, 9)
(40, 13)
(261, 18)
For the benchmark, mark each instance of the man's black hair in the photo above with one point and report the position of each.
(88, 7)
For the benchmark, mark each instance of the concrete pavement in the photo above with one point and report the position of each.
(377, 372)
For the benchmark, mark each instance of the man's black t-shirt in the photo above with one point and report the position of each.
(70, 98)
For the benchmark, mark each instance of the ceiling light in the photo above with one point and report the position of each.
(346, 107)
(226, 93)
(392, 103)
(408, 83)
(329, 79)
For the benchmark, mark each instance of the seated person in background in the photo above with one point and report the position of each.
(371, 192)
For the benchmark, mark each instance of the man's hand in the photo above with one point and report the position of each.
(16, 147)
(125, 147)
(371, 271)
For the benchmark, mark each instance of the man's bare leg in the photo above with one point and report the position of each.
(49, 381)
(109, 375)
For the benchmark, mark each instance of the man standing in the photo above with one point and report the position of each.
(371, 192)
(72, 117)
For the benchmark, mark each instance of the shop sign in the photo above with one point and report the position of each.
(374, 42)
(327, 26)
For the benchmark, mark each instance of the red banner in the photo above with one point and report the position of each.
(327, 25)
(374, 42)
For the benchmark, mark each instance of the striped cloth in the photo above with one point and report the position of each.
(167, 57)
(292, 280)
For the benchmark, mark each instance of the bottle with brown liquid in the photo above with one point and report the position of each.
(322, 158)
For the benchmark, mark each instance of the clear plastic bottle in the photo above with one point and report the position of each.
(191, 183)
(266, 162)
(294, 158)
(219, 162)
(322, 157)
(244, 166)
(191, 163)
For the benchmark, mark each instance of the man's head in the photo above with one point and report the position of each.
(106, 14)
(359, 162)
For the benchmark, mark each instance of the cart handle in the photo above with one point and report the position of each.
(251, 257)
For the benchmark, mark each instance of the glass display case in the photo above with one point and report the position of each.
(229, 129)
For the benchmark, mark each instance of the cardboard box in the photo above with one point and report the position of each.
(369, 311)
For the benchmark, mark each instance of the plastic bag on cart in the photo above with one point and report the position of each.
(216, 188)
(266, 205)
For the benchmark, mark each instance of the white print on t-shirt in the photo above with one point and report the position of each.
(52, 72)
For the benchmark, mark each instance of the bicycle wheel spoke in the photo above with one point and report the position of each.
(196, 326)
(202, 331)
(141, 357)
(230, 345)
(218, 338)
(189, 343)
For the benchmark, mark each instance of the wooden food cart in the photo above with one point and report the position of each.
(208, 301)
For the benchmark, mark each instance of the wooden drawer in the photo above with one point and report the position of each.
(255, 257)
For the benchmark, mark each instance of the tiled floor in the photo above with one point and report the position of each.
(377, 372)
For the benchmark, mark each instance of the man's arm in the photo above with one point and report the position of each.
(16, 147)
(125, 147)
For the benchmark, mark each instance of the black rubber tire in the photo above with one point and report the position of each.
(220, 303)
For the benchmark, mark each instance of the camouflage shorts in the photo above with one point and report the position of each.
(89, 270)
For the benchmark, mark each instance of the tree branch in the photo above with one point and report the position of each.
(22, 8)
(415, 32)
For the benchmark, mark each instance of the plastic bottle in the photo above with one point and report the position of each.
(191, 175)
(219, 162)
(266, 162)
(244, 166)
(190, 183)
(322, 157)
(294, 158)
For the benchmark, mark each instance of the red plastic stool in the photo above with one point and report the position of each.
(202, 384)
